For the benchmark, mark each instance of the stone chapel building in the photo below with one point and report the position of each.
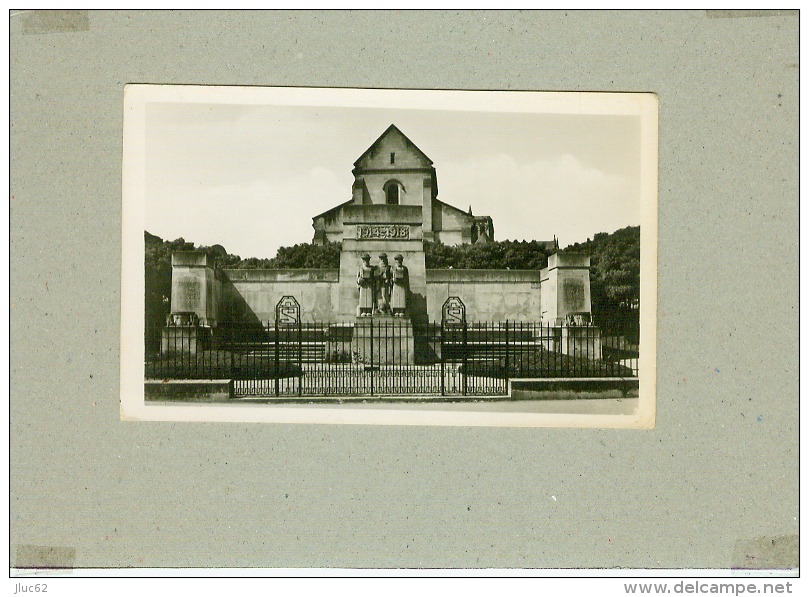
(394, 172)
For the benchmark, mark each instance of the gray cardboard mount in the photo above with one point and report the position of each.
(715, 484)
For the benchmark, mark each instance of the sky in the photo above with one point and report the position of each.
(250, 178)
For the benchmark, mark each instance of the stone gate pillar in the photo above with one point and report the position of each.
(566, 305)
(565, 288)
(195, 296)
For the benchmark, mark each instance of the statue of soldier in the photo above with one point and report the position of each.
(384, 285)
(366, 283)
(401, 286)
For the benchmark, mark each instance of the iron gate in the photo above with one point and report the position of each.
(388, 358)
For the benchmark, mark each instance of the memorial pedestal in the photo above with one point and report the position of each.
(383, 340)
(581, 341)
(186, 339)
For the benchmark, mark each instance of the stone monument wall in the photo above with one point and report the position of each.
(331, 295)
(489, 295)
(251, 295)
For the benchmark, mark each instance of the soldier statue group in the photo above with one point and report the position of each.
(383, 287)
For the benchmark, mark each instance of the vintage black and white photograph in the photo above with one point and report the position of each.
(389, 256)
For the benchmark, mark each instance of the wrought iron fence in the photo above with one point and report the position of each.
(386, 356)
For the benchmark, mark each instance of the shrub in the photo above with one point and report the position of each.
(219, 364)
(544, 363)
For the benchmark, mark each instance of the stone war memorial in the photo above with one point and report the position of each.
(383, 324)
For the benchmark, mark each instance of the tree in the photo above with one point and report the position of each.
(306, 256)
(495, 255)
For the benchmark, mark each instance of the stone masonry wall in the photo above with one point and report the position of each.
(489, 295)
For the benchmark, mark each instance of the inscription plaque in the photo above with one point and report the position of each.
(573, 293)
(383, 231)
(189, 294)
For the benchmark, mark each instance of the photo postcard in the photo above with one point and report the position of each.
(366, 256)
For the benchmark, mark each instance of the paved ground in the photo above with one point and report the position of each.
(604, 406)
(353, 379)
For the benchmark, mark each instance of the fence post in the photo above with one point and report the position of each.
(441, 357)
(277, 364)
(507, 355)
(371, 366)
(300, 359)
(464, 357)
(232, 364)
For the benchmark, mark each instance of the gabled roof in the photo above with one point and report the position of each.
(452, 207)
(335, 208)
(388, 131)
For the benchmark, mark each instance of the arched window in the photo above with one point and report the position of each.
(392, 193)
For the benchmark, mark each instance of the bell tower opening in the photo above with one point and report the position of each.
(392, 193)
